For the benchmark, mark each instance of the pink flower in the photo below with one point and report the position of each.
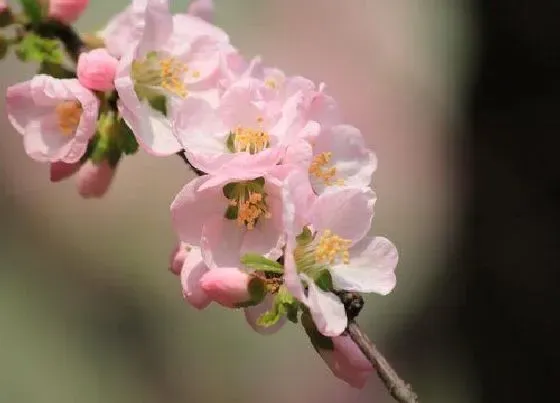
(192, 270)
(347, 362)
(61, 170)
(228, 286)
(56, 117)
(67, 11)
(244, 132)
(94, 179)
(177, 258)
(203, 9)
(234, 215)
(338, 243)
(97, 69)
(165, 67)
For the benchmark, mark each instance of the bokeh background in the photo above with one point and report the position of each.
(89, 312)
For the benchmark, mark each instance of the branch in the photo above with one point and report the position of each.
(399, 389)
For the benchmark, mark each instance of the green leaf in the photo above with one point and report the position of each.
(32, 9)
(319, 341)
(324, 280)
(38, 49)
(126, 138)
(159, 103)
(257, 291)
(231, 212)
(261, 263)
(284, 305)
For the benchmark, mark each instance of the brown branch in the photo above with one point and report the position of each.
(399, 389)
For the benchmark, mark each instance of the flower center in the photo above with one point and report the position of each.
(161, 71)
(248, 140)
(331, 247)
(247, 202)
(68, 114)
(319, 169)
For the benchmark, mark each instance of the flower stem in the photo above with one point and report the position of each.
(399, 389)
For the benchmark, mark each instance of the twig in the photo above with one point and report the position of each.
(399, 389)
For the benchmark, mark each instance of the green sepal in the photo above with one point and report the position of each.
(305, 237)
(106, 146)
(229, 189)
(231, 212)
(257, 291)
(38, 49)
(284, 305)
(32, 9)
(323, 279)
(319, 341)
(261, 263)
(126, 138)
(230, 142)
(260, 181)
(159, 103)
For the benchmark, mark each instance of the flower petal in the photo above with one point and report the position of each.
(253, 313)
(192, 271)
(221, 242)
(371, 268)
(326, 309)
(346, 212)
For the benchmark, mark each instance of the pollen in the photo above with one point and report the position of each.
(160, 71)
(172, 72)
(271, 83)
(250, 209)
(332, 247)
(250, 140)
(320, 169)
(68, 114)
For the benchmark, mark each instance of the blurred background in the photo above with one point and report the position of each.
(458, 98)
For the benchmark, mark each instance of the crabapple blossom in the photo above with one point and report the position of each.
(56, 117)
(66, 11)
(96, 70)
(191, 271)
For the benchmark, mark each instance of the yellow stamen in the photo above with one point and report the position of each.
(172, 71)
(251, 209)
(331, 247)
(68, 114)
(271, 83)
(161, 71)
(250, 140)
(320, 170)
(196, 74)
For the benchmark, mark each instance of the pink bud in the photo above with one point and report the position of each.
(94, 179)
(178, 256)
(97, 69)
(226, 286)
(347, 362)
(3, 5)
(203, 9)
(67, 11)
(61, 170)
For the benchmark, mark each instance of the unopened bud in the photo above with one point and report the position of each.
(66, 11)
(61, 170)
(178, 257)
(97, 69)
(227, 286)
(94, 179)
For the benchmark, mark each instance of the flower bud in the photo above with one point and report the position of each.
(178, 257)
(61, 170)
(203, 9)
(97, 69)
(67, 11)
(94, 179)
(227, 286)
(347, 362)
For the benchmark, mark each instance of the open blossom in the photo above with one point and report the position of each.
(244, 133)
(347, 362)
(96, 70)
(336, 242)
(153, 76)
(56, 117)
(67, 11)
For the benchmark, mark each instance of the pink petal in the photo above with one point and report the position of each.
(346, 212)
(326, 309)
(158, 27)
(221, 242)
(203, 9)
(191, 273)
(94, 179)
(228, 286)
(371, 268)
(61, 170)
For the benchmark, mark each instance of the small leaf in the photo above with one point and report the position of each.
(32, 9)
(324, 280)
(38, 49)
(159, 103)
(126, 138)
(261, 263)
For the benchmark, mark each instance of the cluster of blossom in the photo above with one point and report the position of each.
(277, 221)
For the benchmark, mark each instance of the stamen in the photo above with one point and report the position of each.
(320, 170)
(332, 247)
(68, 114)
(271, 83)
(249, 140)
(251, 209)
(160, 71)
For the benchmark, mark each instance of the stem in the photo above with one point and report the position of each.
(66, 34)
(188, 163)
(399, 389)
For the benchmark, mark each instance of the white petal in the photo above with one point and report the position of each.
(371, 268)
(327, 310)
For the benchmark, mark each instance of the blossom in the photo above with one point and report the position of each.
(335, 245)
(228, 286)
(96, 70)
(56, 117)
(191, 271)
(347, 362)
(94, 178)
(245, 132)
(160, 71)
(67, 11)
